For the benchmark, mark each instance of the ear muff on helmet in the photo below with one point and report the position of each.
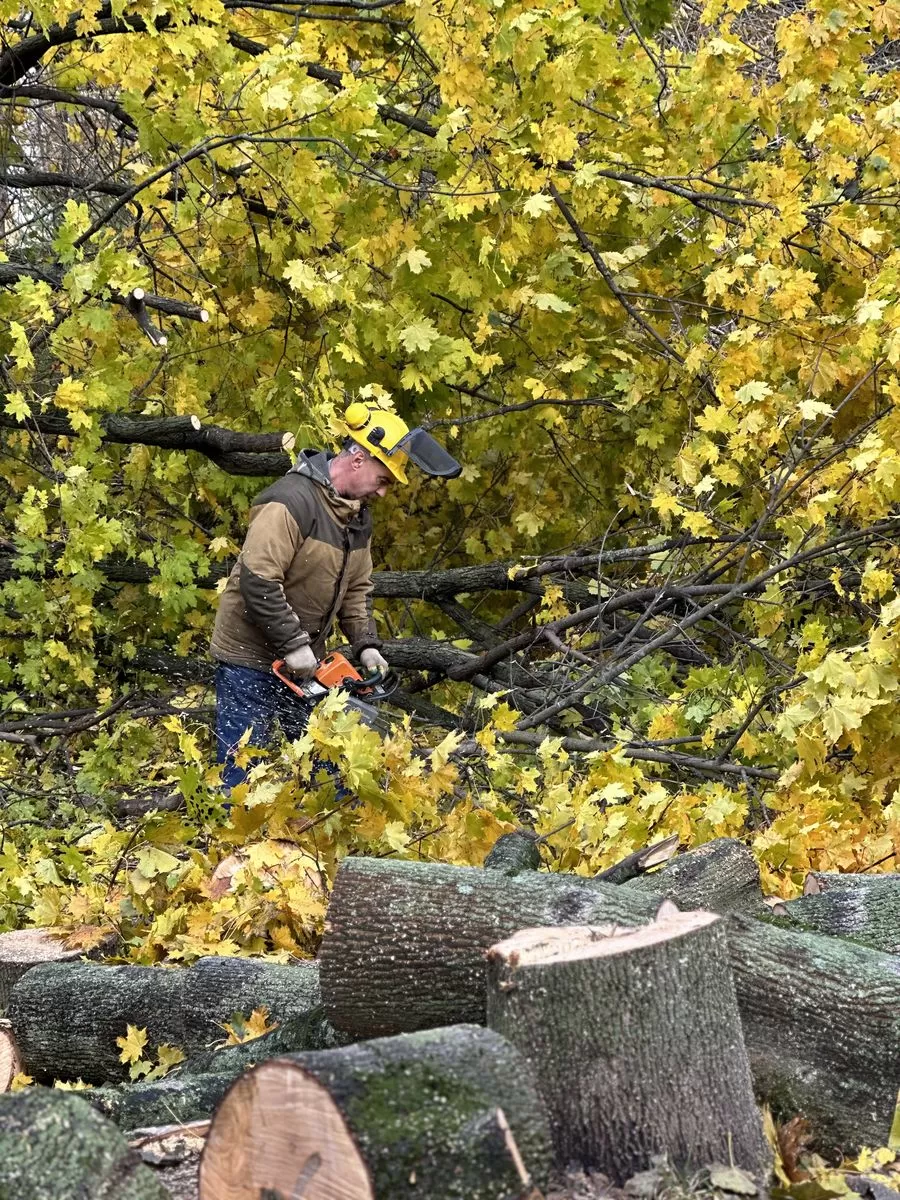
(389, 439)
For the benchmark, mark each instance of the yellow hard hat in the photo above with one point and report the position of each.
(380, 432)
(389, 439)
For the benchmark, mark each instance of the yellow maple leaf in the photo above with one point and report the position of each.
(132, 1044)
(241, 1030)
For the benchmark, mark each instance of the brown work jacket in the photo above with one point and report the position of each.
(306, 560)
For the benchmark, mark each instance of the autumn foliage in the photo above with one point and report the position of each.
(637, 267)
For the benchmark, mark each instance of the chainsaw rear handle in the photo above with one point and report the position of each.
(355, 686)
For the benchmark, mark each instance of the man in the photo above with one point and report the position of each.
(305, 562)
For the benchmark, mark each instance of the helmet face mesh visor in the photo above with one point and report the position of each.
(428, 455)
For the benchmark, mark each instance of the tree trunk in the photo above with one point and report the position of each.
(195, 1087)
(404, 941)
(406, 1118)
(514, 852)
(23, 949)
(66, 1016)
(821, 1020)
(53, 1144)
(722, 876)
(634, 1040)
(868, 914)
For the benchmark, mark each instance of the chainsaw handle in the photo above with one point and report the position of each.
(356, 685)
(278, 668)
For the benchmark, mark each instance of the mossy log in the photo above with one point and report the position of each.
(194, 1089)
(869, 914)
(23, 949)
(404, 941)
(514, 852)
(66, 1017)
(53, 1144)
(634, 1041)
(821, 1021)
(722, 876)
(413, 1117)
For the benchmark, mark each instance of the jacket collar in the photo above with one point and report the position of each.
(313, 464)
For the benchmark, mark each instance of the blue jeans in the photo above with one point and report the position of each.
(246, 698)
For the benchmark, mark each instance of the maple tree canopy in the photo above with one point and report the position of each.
(634, 267)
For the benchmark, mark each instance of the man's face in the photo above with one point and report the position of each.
(367, 478)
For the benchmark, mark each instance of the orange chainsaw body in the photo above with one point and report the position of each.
(333, 671)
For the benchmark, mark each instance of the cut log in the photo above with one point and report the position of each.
(66, 1016)
(868, 914)
(634, 1040)
(830, 881)
(10, 1063)
(309, 1031)
(404, 941)
(514, 852)
(722, 876)
(821, 1021)
(53, 1144)
(163, 1101)
(407, 1118)
(22, 949)
(640, 861)
(196, 1087)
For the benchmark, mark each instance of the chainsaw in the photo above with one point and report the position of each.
(335, 671)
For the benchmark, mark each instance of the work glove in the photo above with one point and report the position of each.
(373, 660)
(301, 662)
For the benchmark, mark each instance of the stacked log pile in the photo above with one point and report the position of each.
(520, 1022)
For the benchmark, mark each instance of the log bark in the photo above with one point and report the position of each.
(634, 1040)
(404, 941)
(721, 875)
(513, 853)
(830, 881)
(172, 1100)
(22, 949)
(53, 1143)
(407, 1118)
(66, 1016)
(821, 1021)
(865, 913)
(195, 1088)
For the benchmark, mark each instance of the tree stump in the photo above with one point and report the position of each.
(722, 876)
(634, 1039)
(408, 1118)
(404, 941)
(22, 949)
(66, 1016)
(821, 1020)
(53, 1144)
